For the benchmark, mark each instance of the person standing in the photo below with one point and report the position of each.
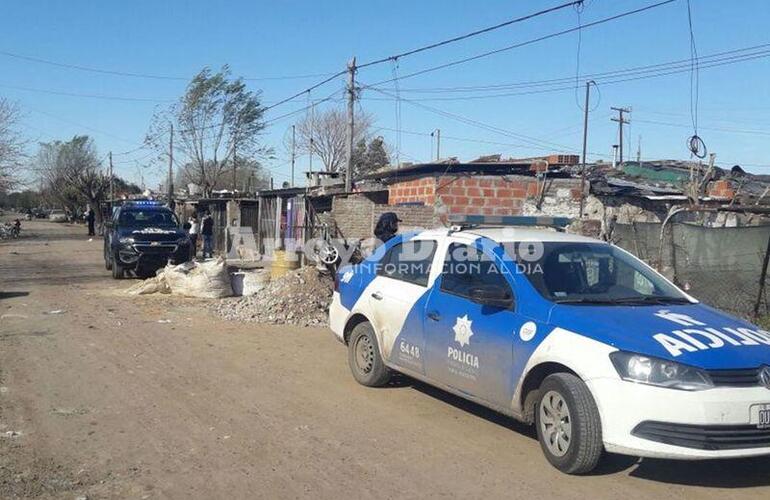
(195, 228)
(90, 219)
(207, 231)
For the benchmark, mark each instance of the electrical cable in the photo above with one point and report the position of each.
(529, 42)
(471, 34)
(588, 76)
(570, 86)
(695, 144)
(141, 75)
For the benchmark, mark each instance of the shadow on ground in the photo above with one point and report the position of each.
(729, 473)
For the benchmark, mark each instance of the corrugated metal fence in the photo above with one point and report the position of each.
(720, 266)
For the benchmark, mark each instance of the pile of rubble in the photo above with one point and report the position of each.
(301, 297)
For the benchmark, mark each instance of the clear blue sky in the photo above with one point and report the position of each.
(284, 38)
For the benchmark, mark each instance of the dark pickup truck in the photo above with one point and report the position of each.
(142, 237)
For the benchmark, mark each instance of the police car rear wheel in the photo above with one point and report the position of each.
(568, 424)
(364, 357)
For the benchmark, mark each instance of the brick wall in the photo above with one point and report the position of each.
(353, 216)
(485, 195)
(412, 217)
(357, 215)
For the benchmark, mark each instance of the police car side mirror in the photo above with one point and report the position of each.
(491, 295)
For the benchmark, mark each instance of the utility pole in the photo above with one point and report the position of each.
(585, 147)
(293, 155)
(437, 134)
(112, 184)
(621, 121)
(235, 175)
(639, 150)
(171, 168)
(351, 123)
(312, 131)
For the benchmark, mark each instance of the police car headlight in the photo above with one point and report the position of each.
(128, 240)
(660, 372)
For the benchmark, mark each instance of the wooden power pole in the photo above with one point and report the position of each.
(351, 123)
(235, 166)
(171, 167)
(585, 147)
(621, 121)
(293, 151)
(112, 184)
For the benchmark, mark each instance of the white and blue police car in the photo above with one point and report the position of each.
(574, 335)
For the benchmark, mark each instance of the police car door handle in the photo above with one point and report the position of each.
(377, 296)
(433, 315)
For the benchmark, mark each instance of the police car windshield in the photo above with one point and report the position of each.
(147, 218)
(595, 273)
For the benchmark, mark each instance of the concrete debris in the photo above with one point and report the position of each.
(301, 297)
(247, 283)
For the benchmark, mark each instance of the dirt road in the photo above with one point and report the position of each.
(106, 396)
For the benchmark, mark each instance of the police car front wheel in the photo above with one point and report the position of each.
(568, 424)
(364, 357)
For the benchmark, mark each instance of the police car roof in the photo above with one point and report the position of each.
(514, 234)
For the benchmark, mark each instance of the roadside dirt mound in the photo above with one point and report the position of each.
(301, 298)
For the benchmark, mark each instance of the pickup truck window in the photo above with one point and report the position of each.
(147, 218)
(466, 267)
(596, 273)
(409, 261)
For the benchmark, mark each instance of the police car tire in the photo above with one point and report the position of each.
(379, 374)
(117, 271)
(586, 447)
(107, 262)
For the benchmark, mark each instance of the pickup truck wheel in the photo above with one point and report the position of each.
(568, 424)
(117, 271)
(364, 357)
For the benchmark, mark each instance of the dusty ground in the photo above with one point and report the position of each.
(118, 397)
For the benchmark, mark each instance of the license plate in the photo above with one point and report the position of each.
(155, 243)
(760, 416)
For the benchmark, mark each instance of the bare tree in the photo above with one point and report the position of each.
(325, 134)
(11, 144)
(216, 117)
(73, 173)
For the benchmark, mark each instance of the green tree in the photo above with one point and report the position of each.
(72, 173)
(11, 145)
(215, 120)
(368, 158)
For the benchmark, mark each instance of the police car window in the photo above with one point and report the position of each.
(409, 261)
(147, 218)
(595, 272)
(466, 267)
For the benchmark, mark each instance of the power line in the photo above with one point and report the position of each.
(471, 34)
(588, 76)
(529, 42)
(142, 75)
(492, 128)
(90, 96)
(610, 80)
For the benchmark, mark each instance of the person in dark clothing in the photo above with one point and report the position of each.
(91, 219)
(387, 226)
(207, 231)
